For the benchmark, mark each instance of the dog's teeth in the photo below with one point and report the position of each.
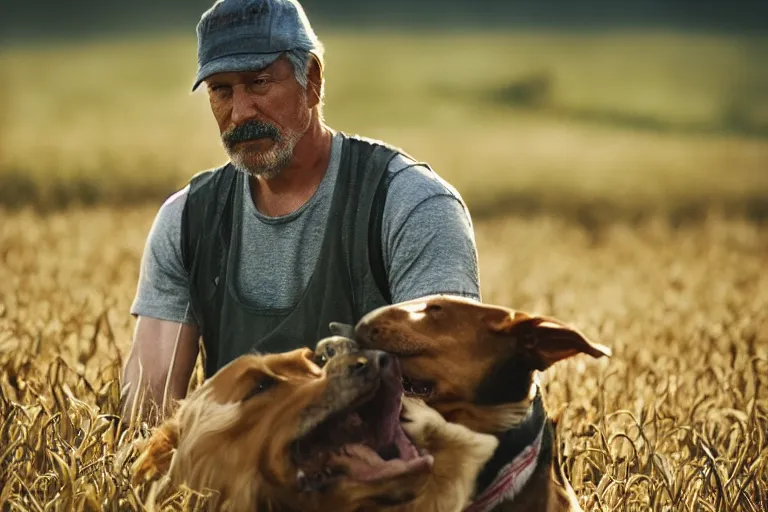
(301, 478)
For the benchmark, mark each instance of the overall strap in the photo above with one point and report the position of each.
(375, 250)
(210, 196)
(206, 224)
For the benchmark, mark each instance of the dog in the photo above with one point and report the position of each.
(277, 432)
(459, 453)
(476, 365)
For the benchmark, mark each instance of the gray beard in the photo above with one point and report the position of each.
(266, 165)
(271, 163)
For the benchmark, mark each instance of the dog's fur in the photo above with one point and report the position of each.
(460, 454)
(234, 436)
(475, 364)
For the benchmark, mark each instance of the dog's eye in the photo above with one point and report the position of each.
(263, 384)
(433, 308)
(322, 359)
(416, 387)
(327, 354)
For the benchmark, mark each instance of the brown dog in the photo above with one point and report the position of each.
(277, 432)
(475, 364)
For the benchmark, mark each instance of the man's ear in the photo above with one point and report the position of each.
(156, 453)
(545, 340)
(315, 82)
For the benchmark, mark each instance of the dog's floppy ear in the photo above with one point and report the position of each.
(545, 340)
(156, 453)
(340, 329)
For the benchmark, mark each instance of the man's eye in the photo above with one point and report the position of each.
(258, 82)
(218, 88)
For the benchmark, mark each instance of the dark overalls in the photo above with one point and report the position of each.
(348, 279)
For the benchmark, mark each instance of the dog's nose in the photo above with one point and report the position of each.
(360, 366)
(370, 361)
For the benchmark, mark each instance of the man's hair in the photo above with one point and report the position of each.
(301, 61)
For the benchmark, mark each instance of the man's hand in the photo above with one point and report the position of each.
(149, 365)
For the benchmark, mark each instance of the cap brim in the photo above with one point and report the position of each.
(235, 63)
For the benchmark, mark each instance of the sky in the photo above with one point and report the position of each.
(57, 19)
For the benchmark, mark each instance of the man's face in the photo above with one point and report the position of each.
(261, 116)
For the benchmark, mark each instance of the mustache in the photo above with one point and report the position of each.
(250, 130)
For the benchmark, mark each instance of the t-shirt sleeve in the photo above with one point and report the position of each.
(428, 241)
(163, 288)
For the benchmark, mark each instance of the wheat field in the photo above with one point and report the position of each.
(676, 420)
(625, 194)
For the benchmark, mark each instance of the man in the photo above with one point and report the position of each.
(304, 226)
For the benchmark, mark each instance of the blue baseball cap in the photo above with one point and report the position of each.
(248, 35)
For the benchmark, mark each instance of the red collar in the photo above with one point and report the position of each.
(510, 479)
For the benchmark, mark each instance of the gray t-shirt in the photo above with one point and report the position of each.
(427, 242)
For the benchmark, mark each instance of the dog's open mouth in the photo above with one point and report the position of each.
(364, 442)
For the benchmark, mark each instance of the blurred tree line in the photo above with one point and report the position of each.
(54, 18)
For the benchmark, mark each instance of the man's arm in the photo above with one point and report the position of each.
(162, 352)
(165, 326)
(427, 236)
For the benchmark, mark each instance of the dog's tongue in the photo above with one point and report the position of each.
(388, 416)
(364, 464)
(366, 460)
(371, 442)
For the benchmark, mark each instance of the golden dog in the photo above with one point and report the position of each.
(278, 432)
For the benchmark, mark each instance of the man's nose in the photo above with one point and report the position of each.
(243, 105)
